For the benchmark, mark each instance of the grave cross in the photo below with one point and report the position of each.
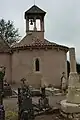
(23, 80)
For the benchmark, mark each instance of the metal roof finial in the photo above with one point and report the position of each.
(34, 2)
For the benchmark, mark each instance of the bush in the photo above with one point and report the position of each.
(10, 115)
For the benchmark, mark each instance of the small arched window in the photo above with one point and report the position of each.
(37, 66)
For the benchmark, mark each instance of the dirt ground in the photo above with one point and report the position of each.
(11, 104)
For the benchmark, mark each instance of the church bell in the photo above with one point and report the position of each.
(31, 22)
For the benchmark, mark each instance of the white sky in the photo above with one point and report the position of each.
(62, 21)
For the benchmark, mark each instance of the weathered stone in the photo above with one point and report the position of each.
(43, 101)
(63, 82)
(71, 106)
(76, 115)
(70, 116)
(73, 95)
(72, 60)
(63, 114)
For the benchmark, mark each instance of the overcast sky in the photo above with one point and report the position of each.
(62, 21)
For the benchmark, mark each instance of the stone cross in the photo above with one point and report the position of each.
(73, 76)
(71, 106)
(72, 60)
(73, 95)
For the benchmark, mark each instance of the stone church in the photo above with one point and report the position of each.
(34, 57)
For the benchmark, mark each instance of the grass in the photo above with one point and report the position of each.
(11, 115)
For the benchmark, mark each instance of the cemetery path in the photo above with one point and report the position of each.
(11, 103)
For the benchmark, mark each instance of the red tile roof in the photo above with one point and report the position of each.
(33, 42)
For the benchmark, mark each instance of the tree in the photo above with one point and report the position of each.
(78, 68)
(8, 31)
(68, 68)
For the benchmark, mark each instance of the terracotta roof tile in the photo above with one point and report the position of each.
(31, 41)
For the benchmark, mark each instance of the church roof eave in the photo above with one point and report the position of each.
(34, 10)
(29, 42)
(66, 49)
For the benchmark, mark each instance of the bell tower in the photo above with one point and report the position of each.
(35, 21)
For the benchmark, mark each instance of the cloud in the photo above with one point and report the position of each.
(62, 21)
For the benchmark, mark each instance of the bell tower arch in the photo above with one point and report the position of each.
(35, 21)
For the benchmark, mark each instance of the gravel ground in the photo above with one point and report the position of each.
(50, 117)
(11, 104)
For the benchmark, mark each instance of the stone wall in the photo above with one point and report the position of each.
(5, 60)
(52, 64)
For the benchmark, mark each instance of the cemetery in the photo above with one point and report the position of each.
(40, 107)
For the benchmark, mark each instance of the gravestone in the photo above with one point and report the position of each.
(7, 89)
(43, 101)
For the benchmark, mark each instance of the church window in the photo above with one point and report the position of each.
(37, 66)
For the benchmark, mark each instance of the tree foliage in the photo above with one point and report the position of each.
(8, 31)
(78, 67)
(68, 68)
